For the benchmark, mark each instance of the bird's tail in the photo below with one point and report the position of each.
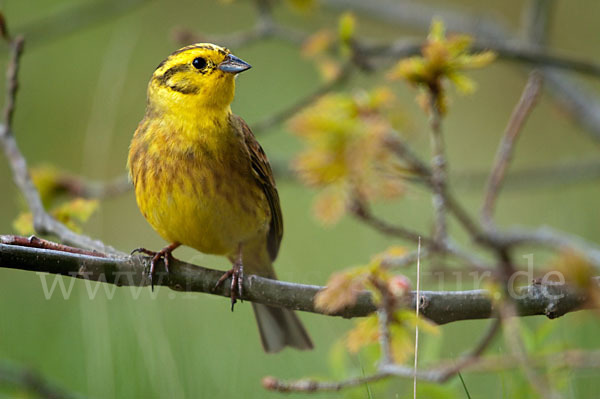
(279, 328)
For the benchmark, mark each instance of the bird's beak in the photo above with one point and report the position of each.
(233, 64)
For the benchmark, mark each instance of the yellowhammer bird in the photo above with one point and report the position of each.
(202, 180)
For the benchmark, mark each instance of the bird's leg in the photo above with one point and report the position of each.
(165, 254)
(237, 278)
(238, 272)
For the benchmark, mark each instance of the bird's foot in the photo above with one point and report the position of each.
(237, 278)
(165, 254)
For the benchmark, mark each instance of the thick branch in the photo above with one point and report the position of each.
(440, 306)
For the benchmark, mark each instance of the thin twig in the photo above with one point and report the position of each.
(309, 385)
(362, 212)
(506, 147)
(386, 371)
(577, 99)
(35, 242)
(438, 164)
(475, 354)
(519, 52)
(43, 222)
(286, 113)
(12, 81)
(418, 166)
(536, 20)
(384, 318)
(492, 239)
(527, 53)
(397, 262)
(490, 364)
(515, 343)
(548, 237)
(78, 186)
(264, 28)
(402, 149)
(534, 178)
(568, 360)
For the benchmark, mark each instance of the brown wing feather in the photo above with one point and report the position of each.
(264, 174)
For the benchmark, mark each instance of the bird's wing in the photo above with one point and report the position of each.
(263, 173)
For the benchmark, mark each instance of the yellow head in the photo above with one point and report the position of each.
(201, 75)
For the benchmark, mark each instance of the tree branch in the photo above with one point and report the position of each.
(43, 222)
(442, 307)
(438, 163)
(535, 21)
(518, 52)
(506, 147)
(386, 370)
(515, 344)
(534, 177)
(570, 359)
(493, 239)
(78, 186)
(302, 102)
(579, 101)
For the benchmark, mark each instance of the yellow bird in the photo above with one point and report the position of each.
(202, 180)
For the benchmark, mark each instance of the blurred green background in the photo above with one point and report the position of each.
(81, 97)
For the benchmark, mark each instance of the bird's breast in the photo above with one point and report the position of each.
(200, 193)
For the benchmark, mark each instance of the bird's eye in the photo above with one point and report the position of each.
(199, 63)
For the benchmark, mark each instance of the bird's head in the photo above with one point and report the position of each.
(199, 75)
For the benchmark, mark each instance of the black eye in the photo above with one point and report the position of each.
(199, 63)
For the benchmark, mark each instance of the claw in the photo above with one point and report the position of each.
(164, 253)
(240, 278)
(224, 277)
(234, 282)
(237, 279)
(143, 251)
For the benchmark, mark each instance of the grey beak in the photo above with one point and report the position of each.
(233, 64)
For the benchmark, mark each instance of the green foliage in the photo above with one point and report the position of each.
(346, 154)
(343, 287)
(443, 58)
(346, 32)
(72, 212)
(342, 290)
